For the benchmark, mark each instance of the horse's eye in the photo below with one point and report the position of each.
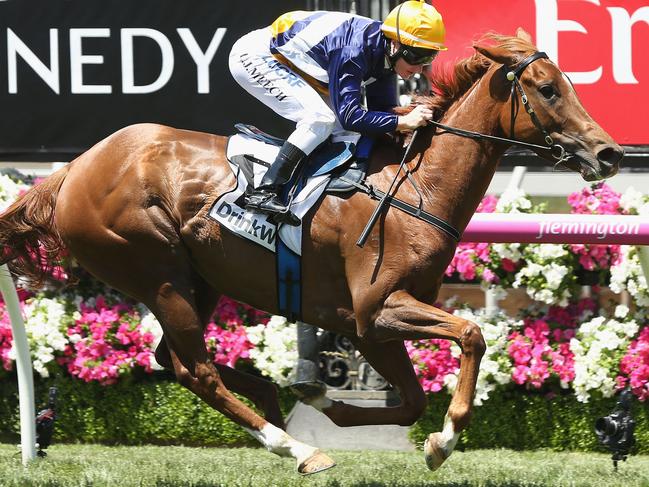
(547, 91)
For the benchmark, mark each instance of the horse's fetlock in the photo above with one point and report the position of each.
(460, 414)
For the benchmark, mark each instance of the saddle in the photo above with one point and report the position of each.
(346, 163)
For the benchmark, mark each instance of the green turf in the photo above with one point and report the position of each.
(93, 465)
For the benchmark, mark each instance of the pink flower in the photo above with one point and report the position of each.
(489, 276)
(111, 343)
(535, 358)
(634, 366)
(432, 361)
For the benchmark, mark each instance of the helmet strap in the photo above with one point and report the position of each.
(393, 57)
(392, 54)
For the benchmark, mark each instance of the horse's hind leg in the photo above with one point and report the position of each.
(261, 392)
(391, 360)
(175, 308)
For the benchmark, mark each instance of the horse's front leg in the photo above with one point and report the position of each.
(405, 318)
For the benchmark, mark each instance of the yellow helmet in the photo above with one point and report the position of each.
(416, 24)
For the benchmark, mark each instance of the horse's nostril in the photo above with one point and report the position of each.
(610, 155)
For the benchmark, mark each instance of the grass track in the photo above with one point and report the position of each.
(99, 466)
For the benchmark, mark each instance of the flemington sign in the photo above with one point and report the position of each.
(74, 71)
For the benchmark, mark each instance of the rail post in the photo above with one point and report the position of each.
(23, 367)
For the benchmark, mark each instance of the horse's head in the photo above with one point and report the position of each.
(535, 83)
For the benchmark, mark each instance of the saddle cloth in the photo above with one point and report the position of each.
(250, 154)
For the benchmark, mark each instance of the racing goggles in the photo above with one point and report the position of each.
(418, 55)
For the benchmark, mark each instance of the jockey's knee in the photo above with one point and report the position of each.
(313, 131)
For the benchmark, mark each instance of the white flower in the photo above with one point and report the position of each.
(508, 251)
(275, 352)
(551, 251)
(621, 311)
(627, 275)
(45, 325)
(631, 199)
(513, 201)
(596, 344)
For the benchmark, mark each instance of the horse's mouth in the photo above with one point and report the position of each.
(587, 165)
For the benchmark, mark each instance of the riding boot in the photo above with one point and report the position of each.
(265, 197)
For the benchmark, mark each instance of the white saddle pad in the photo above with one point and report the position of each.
(228, 210)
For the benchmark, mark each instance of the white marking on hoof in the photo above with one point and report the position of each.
(439, 446)
(318, 462)
(281, 443)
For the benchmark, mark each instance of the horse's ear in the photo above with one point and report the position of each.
(497, 54)
(523, 34)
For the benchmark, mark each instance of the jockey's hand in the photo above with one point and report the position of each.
(419, 116)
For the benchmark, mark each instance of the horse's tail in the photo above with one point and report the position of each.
(29, 239)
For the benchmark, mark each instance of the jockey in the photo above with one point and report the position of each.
(311, 67)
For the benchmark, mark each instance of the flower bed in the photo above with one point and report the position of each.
(559, 344)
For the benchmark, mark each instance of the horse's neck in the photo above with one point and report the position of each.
(455, 172)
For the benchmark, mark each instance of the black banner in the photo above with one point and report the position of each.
(74, 71)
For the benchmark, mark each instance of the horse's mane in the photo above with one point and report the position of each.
(451, 85)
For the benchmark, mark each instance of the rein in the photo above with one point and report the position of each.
(557, 151)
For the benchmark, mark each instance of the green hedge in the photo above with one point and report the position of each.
(138, 412)
(156, 410)
(526, 421)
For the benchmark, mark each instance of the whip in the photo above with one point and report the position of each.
(388, 194)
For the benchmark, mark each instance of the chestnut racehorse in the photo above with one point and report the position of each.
(132, 210)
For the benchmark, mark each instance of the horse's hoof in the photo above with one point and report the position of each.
(308, 389)
(435, 455)
(318, 462)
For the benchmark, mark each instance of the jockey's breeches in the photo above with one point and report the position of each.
(283, 90)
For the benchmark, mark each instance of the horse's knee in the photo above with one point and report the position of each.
(472, 341)
(203, 376)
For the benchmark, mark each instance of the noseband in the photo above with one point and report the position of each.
(557, 151)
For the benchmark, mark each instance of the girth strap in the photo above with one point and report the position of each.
(412, 210)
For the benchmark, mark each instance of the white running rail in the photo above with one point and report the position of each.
(23, 367)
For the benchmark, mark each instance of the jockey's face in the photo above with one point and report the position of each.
(407, 71)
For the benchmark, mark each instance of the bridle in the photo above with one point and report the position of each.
(557, 151)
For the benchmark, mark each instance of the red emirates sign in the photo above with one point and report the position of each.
(602, 45)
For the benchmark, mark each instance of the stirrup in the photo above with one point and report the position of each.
(257, 202)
